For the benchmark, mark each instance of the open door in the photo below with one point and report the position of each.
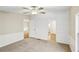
(52, 30)
(26, 28)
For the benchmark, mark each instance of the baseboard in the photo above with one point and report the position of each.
(10, 38)
(63, 42)
(72, 44)
(37, 38)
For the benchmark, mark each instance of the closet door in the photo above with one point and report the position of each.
(42, 29)
(32, 31)
(39, 28)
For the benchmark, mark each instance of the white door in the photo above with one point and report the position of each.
(39, 28)
(77, 32)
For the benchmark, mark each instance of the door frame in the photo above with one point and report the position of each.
(76, 32)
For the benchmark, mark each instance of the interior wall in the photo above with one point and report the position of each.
(63, 27)
(73, 11)
(11, 28)
(39, 25)
(10, 23)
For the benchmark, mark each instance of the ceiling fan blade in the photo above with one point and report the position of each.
(25, 8)
(33, 6)
(40, 8)
(29, 10)
(42, 12)
(26, 13)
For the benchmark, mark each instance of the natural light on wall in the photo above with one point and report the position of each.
(26, 25)
(52, 26)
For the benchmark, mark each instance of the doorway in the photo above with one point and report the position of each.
(77, 33)
(26, 28)
(52, 30)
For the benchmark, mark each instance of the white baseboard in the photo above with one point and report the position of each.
(7, 39)
(72, 44)
(63, 42)
(39, 38)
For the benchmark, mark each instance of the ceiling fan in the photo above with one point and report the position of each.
(33, 10)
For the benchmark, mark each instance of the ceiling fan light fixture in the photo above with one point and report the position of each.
(34, 12)
(33, 6)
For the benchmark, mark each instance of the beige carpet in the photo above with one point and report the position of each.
(34, 45)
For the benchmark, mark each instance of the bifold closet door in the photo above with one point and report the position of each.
(39, 27)
(42, 30)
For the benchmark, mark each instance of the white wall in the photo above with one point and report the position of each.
(39, 25)
(11, 22)
(63, 27)
(11, 28)
(10, 38)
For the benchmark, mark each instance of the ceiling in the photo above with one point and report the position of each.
(18, 9)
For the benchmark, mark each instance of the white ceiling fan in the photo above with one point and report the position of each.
(33, 10)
